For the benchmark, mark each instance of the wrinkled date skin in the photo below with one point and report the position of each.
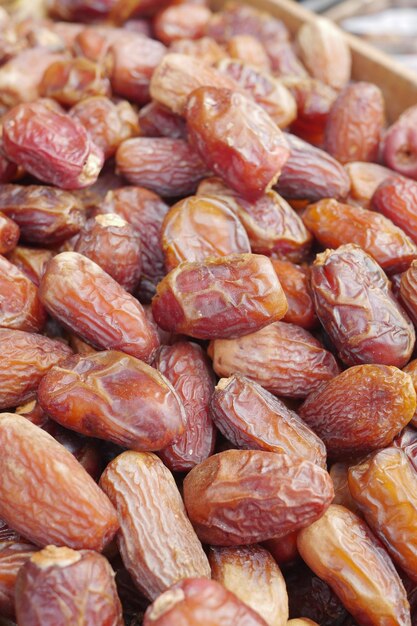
(364, 180)
(25, 358)
(408, 290)
(63, 587)
(31, 261)
(237, 140)
(9, 234)
(45, 215)
(250, 50)
(200, 601)
(156, 540)
(144, 211)
(295, 282)
(246, 496)
(89, 302)
(407, 441)
(411, 370)
(396, 198)
(220, 297)
(112, 243)
(354, 303)
(198, 227)
(20, 307)
(273, 227)
(311, 174)
(155, 120)
(250, 417)
(342, 550)
(181, 22)
(252, 574)
(187, 368)
(113, 396)
(169, 167)
(360, 410)
(400, 144)
(284, 358)
(13, 554)
(334, 224)
(29, 139)
(385, 488)
(45, 494)
(355, 123)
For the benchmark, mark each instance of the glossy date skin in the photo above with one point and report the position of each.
(186, 366)
(400, 144)
(46, 495)
(342, 550)
(237, 140)
(222, 493)
(156, 540)
(408, 290)
(252, 418)
(220, 297)
(78, 293)
(295, 282)
(200, 601)
(13, 554)
(29, 132)
(25, 358)
(45, 215)
(411, 369)
(284, 358)
(354, 303)
(252, 574)
(155, 120)
(9, 234)
(61, 587)
(112, 243)
(31, 261)
(113, 396)
(350, 423)
(396, 198)
(198, 227)
(385, 488)
(20, 307)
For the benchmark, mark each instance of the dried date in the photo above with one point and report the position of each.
(396, 198)
(20, 307)
(400, 144)
(364, 180)
(13, 554)
(182, 21)
(9, 234)
(155, 120)
(294, 280)
(31, 261)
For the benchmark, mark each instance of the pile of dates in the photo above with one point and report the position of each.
(208, 303)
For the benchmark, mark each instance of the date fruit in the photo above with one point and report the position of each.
(182, 21)
(252, 418)
(342, 550)
(361, 409)
(9, 234)
(20, 307)
(45, 494)
(411, 370)
(89, 302)
(355, 305)
(220, 297)
(156, 540)
(400, 144)
(237, 139)
(13, 554)
(246, 496)
(396, 198)
(295, 282)
(63, 587)
(364, 180)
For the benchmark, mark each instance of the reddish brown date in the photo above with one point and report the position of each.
(294, 280)
(222, 494)
(364, 179)
(8, 170)
(156, 541)
(283, 549)
(385, 488)
(13, 554)
(113, 396)
(60, 586)
(407, 441)
(284, 358)
(237, 139)
(400, 144)
(183, 21)
(199, 227)
(20, 307)
(252, 574)
(200, 601)
(145, 211)
(155, 120)
(169, 167)
(411, 370)
(334, 224)
(346, 422)
(408, 290)
(311, 174)
(25, 358)
(89, 302)
(252, 418)
(107, 123)
(112, 243)
(45, 215)
(31, 261)
(339, 473)
(273, 227)
(9, 234)
(45, 494)
(29, 139)
(250, 50)
(354, 303)
(185, 365)
(396, 198)
(342, 550)
(220, 297)
(355, 123)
